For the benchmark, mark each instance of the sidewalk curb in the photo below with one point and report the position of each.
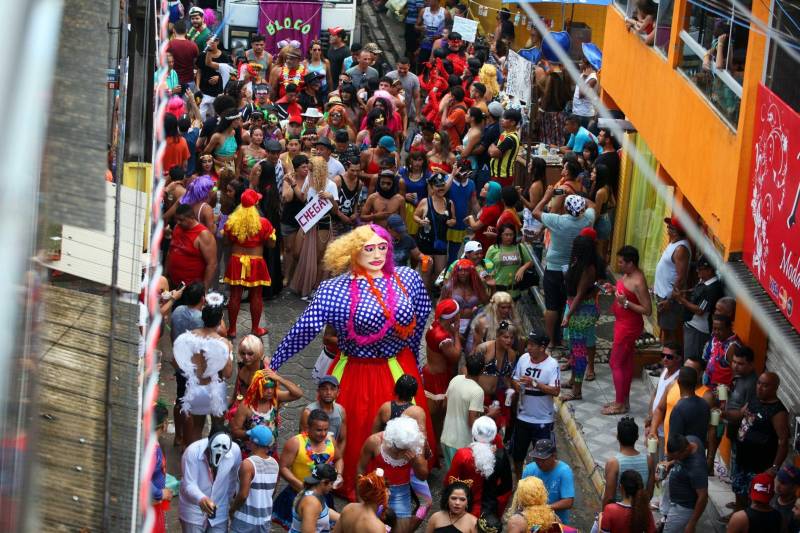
(575, 433)
(383, 28)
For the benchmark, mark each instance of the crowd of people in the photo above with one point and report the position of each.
(412, 170)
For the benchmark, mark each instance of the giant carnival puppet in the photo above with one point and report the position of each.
(379, 313)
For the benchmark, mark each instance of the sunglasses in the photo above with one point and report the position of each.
(668, 356)
(369, 248)
(504, 325)
(246, 352)
(336, 115)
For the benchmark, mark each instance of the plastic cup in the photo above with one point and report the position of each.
(509, 397)
(715, 414)
(722, 392)
(652, 445)
(426, 261)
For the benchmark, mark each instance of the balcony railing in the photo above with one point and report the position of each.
(718, 86)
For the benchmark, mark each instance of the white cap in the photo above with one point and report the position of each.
(472, 246)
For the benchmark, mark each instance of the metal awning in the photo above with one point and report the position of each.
(782, 359)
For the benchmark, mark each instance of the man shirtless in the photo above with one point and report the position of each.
(383, 202)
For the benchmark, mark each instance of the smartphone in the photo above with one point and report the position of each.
(559, 192)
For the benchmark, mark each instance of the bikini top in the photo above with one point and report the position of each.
(490, 369)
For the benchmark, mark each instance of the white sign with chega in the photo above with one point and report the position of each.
(518, 83)
(466, 27)
(313, 212)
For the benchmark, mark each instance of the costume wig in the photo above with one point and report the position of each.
(530, 500)
(209, 17)
(488, 77)
(473, 280)
(484, 430)
(403, 433)
(243, 223)
(253, 344)
(198, 190)
(342, 253)
(372, 489)
(257, 390)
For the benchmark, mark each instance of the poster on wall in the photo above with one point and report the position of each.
(289, 21)
(518, 83)
(772, 229)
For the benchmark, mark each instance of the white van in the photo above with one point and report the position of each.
(243, 20)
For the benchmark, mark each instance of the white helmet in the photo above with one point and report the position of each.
(219, 444)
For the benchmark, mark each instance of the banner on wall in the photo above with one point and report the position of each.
(772, 228)
(289, 21)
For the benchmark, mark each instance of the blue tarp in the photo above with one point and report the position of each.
(568, 2)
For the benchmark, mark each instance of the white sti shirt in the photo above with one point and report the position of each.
(198, 484)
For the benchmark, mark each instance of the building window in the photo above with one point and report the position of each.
(664, 25)
(783, 77)
(714, 48)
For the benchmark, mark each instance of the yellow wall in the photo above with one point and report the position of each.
(592, 16)
(708, 161)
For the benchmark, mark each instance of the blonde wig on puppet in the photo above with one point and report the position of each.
(342, 253)
(244, 222)
(488, 76)
(530, 500)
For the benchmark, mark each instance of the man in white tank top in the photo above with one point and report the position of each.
(251, 510)
(672, 359)
(672, 271)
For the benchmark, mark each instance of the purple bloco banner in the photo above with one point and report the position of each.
(289, 21)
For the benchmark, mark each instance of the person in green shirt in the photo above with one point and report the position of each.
(510, 258)
(199, 32)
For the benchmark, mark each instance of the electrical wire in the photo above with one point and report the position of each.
(151, 279)
(693, 231)
(716, 8)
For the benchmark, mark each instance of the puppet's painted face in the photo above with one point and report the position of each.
(372, 256)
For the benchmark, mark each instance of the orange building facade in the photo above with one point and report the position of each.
(701, 151)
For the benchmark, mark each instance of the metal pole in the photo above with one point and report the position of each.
(114, 29)
(122, 61)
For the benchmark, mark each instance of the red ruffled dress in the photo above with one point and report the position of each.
(249, 270)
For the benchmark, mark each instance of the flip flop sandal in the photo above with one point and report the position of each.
(589, 377)
(612, 411)
(570, 397)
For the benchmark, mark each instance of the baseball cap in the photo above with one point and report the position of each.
(496, 109)
(324, 141)
(296, 119)
(703, 262)
(789, 475)
(311, 77)
(762, 489)
(336, 30)
(388, 143)
(261, 436)
(437, 180)
(396, 223)
(674, 222)
(472, 246)
(544, 449)
(273, 146)
(321, 473)
(373, 48)
(330, 380)
(589, 232)
(538, 337)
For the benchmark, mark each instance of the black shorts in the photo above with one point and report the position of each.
(180, 386)
(526, 434)
(555, 291)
